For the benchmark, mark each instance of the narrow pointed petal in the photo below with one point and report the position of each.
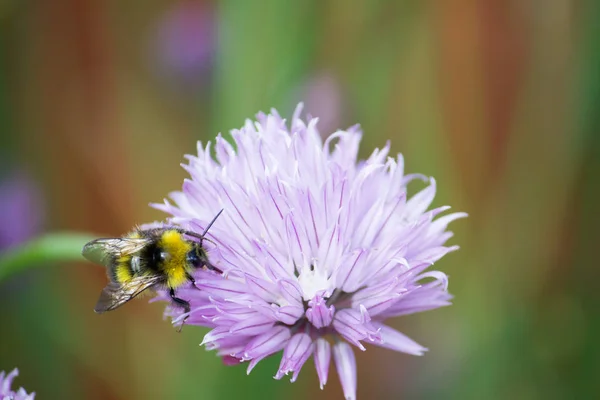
(318, 313)
(394, 340)
(291, 291)
(215, 334)
(230, 360)
(6, 380)
(6, 392)
(322, 358)
(349, 270)
(264, 345)
(222, 288)
(378, 304)
(429, 296)
(420, 201)
(264, 289)
(345, 364)
(295, 354)
(289, 315)
(252, 326)
(355, 326)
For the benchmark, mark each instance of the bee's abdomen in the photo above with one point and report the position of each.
(135, 264)
(122, 271)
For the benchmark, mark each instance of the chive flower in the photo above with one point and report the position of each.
(317, 249)
(6, 393)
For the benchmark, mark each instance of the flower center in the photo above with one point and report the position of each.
(312, 281)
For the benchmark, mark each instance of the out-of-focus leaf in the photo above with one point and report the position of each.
(43, 251)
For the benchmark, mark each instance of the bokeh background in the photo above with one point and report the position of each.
(499, 100)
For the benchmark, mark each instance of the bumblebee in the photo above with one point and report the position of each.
(152, 258)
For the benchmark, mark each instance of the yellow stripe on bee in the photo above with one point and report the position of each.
(122, 270)
(175, 266)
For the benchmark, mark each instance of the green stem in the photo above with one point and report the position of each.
(43, 251)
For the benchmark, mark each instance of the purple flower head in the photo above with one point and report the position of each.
(317, 249)
(20, 210)
(186, 42)
(7, 393)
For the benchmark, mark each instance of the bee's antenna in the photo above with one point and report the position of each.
(211, 223)
(202, 236)
(208, 240)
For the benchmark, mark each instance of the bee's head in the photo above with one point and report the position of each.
(196, 257)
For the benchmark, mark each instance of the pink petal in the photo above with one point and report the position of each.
(252, 326)
(394, 340)
(295, 354)
(318, 313)
(345, 364)
(267, 343)
(322, 360)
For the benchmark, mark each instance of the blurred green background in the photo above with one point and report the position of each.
(499, 100)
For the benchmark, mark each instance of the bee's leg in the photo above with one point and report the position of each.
(181, 303)
(192, 280)
(211, 267)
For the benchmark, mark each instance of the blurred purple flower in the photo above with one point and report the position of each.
(187, 41)
(324, 97)
(317, 249)
(7, 393)
(20, 210)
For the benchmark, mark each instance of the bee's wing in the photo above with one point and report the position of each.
(104, 251)
(115, 294)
